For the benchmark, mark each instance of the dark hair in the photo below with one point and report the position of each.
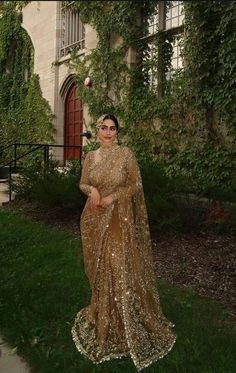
(113, 118)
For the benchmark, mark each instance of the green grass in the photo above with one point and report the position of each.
(43, 285)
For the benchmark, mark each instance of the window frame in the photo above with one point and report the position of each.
(161, 76)
(72, 29)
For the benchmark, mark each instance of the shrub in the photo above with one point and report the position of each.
(52, 186)
(161, 207)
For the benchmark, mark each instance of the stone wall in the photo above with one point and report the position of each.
(42, 21)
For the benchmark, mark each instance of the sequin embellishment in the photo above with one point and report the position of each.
(124, 317)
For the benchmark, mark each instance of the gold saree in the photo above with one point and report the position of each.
(125, 317)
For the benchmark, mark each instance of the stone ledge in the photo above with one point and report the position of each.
(10, 362)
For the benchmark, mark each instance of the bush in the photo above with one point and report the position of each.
(51, 186)
(161, 207)
(209, 173)
(172, 205)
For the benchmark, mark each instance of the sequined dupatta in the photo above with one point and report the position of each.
(147, 329)
(125, 316)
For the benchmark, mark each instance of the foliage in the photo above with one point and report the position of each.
(191, 129)
(197, 137)
(117, 88)
(25, 116)
(51, 186)
(37, 113)
(172, 205)
(210, 33)
(204, 170)
(158, 191)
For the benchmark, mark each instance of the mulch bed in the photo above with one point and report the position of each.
(204, 260)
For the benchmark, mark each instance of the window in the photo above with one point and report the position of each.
(174, 22)
(153, 23)
(73, 30)
(174, 15)
(176, 59)
(150, 65)
(169, 17)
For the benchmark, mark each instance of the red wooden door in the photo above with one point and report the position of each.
(73, 123)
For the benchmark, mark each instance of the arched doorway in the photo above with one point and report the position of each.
(73, 123)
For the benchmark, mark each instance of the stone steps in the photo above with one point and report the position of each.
(4, 190)
(4, 194)
(10, 361)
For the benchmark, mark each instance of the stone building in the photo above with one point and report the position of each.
(54, 29)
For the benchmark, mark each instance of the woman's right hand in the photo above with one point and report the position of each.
(95, 197)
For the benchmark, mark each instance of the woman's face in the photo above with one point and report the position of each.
(107, 132)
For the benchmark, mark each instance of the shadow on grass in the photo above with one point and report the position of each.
(43, 285)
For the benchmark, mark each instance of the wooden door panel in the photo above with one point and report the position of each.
(73, 123)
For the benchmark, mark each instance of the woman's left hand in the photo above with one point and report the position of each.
(106, 201)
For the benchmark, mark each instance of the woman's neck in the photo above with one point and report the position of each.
(107, 146)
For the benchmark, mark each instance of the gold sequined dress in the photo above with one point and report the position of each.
(125, 317)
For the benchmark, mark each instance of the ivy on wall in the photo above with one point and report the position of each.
(25, 116)
(198, 117)
(118, 88)
(213, 37)
(196, 130)
(192, 128)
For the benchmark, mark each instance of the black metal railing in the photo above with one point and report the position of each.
(12, 163)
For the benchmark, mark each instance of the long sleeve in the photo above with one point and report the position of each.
(134, 181)
(84, 184)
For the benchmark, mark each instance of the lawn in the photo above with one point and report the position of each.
(43, 285)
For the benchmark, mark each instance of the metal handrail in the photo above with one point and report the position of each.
(34, 144)
(5, 147)
(38, 146)
(21, 156)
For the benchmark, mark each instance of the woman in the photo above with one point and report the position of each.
(125, 316)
